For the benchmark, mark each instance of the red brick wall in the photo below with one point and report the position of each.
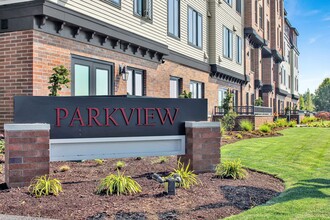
(15, 70)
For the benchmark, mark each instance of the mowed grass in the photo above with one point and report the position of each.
(302, 159)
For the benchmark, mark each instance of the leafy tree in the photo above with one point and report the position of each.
(228, 102)
(309, 106)
(301, 102)
(58, 79)
(322, 94)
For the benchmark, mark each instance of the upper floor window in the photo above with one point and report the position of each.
(261, 19)
(143, 8)
(195, 29)
(229, 2)
(227, 43)
(136, 82)
(91, 77)
(239, 49)
(197, 90)
(256, 11)
(239, 6)
(114, 2)
(173, 17)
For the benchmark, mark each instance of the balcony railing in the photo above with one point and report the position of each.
(292, 112)
(246, 110)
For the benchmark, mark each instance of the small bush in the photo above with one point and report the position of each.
(228, 121)
(161, 159)
(272, 125)
(323, 115)
(230, 169)
(307, 119)
(120, 165)
(118, 184)
(246, 125)
(44, 186)
(239, 136)
(222, 130)
(2, 146)
(64, 168)
(99, 162)
(265, 128)
(1, 168)
(292, 123)
(188, 177)
(281, 123)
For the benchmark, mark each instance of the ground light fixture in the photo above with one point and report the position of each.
(123, 72)
(170, 190)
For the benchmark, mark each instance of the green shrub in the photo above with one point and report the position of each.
(118, 184)
(230, 169)
(265, 128)
(99, 162)
(292, 123)
(1, 168)
(246, 125)
(120, 165)
(161, 159)
(222, 131)
(2, 146)
(307, 120)
(258, 102)
(188, 177)
(239, 136)
(228, 121)
(44, 186)
(64, 168)
(281, 123)
(272, 125)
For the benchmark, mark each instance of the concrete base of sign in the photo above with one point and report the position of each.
(202, 146)
(26, 153)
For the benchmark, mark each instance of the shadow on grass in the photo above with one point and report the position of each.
(310, 188)
(242, 197)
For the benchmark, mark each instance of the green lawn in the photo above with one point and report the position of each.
(302, 159)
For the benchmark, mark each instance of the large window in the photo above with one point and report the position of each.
(197, 90)
(261, 19)
(256, 11)
(239, 49)
(136, 82)
(229, 2)
(173, 17)
(195, 28)
(91, 77)
(143, 8)
(221, 96)
(114, 2)
(227, 43)
(175, 87)
(239, 6)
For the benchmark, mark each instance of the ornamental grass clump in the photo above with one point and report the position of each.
(64, 168)
(99, 162)
(2, 146)
(120, 165)
(230, 169)
(188, 177)
(265, 128)
(44, 186)
(292, 123)
(281, 123)
(246, 125)
(118, 184)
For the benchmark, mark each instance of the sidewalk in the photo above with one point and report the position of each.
(15, 217)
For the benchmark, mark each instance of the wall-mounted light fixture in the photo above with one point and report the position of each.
(123, 72)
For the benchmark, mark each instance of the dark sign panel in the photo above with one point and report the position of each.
(87, 117)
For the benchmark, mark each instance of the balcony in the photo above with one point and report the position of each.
(246, 110)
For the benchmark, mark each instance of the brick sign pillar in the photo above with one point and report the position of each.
(202, 146)
(26, 153)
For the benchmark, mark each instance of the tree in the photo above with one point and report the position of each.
(322, 94)
(58, 79)
(309, 106)
(228, 102)
(301, 102)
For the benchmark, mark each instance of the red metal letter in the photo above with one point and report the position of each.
(109, 116)
(123, 112)
(138, 116)
(168, 114)
(79, 118)
(147, 116)
(90, 117)
(58, 115)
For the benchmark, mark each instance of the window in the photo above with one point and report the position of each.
(268, 30)
(247, 99)
(175, 87)
(289, 81)
(194, 28)
(221, 96)
(284, 76)
(239, 6)
(289, 56)
(261, 20)
(256, 11)
(91, 77)
(227, 43)
(114, 2)
(136, 82)
(229, 2)
(239, 49)
(197, 90)
(173, 17)
(143, 8)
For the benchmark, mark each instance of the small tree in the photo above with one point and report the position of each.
(309, 106)
(58, 79)
(322, 94)
(185, 95)
(301, 102)
(258, 102)
(228, 102)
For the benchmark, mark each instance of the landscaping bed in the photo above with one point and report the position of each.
(215, 198)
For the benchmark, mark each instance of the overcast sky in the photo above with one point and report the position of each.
(312, 19)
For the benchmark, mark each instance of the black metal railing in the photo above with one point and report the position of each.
(246, 110)
(292, 112)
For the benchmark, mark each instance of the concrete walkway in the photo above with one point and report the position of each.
(15, 217)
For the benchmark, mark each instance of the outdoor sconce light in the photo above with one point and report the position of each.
(123, 72)
(170, 190)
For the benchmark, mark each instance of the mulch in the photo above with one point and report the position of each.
(214, 199)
